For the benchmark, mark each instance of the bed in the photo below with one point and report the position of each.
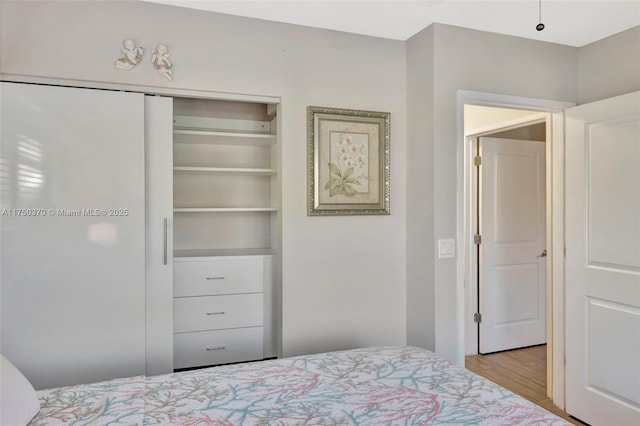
(371, 386)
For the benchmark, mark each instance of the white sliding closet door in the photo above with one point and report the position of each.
(159, 173)
(73, 233)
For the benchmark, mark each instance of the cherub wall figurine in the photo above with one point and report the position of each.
(161, 62)
(132, 55)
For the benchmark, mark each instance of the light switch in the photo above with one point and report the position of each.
(446, 248)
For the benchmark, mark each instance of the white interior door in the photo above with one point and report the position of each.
(72, 233)
(603, 261)
(512, 252)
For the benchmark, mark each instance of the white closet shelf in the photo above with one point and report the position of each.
(224, 252)
(223, 137)
(223, 209)
(218, 124)
(238, 170)
(225, 133)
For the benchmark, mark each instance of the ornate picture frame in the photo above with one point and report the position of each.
(348, 162)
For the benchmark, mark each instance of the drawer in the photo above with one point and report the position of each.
(217, 347)
(217, 312)
(213, 277)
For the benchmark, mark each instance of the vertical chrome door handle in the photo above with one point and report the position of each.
(165, 255)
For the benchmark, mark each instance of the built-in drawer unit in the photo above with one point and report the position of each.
(217, 312)
(217, 347)
(219, 309)
(214, 277)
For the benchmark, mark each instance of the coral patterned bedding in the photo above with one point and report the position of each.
(372, 386)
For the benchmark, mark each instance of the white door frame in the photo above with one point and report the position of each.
(555, 222)
(471, 290)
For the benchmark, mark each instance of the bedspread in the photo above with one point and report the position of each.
(371, 386)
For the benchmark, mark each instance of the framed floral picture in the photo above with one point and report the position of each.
(348, 162)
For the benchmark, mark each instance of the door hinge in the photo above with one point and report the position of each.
(477, 160)
(477, 317)
(477, 239)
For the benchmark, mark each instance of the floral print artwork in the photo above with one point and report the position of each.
(349, 167)
(348, 162)
(371, 386)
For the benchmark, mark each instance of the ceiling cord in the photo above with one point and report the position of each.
(540, 26)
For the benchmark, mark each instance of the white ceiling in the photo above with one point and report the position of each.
(570, 22)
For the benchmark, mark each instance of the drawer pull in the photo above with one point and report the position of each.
(216, 348)
(215, 278)
(216, 313)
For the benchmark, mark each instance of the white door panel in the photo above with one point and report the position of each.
(73, 259)
(512, 225)
(603, 261)
(613, 179)
(159, 221)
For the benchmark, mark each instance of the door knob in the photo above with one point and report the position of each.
(543, 254)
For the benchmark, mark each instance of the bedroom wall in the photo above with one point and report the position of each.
(486, 62)
(343, 277)
(420, 254)
(477, 118)
(536, 132)
(609, 67)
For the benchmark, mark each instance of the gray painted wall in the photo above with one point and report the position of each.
(343, 277)
(609, 67)
(466, 59)
(420, 162)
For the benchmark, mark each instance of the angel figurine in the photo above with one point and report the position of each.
(161, 62)
(132, 55)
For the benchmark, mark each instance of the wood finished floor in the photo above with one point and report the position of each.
(522, 371)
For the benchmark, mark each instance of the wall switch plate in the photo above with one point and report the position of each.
(446, 248)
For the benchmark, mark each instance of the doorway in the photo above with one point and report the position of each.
(552, 110)
(508, 225)
(611, 121)
(506, 301)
